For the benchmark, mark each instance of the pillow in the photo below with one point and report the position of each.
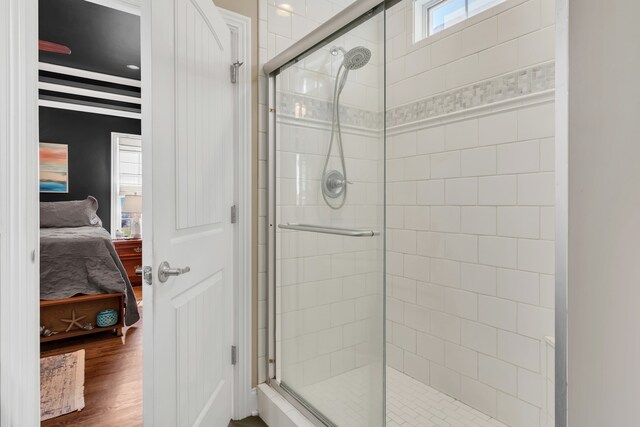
(75, 213)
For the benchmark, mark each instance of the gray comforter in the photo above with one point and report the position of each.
(82, 260)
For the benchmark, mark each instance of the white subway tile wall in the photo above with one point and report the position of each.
(478, 218)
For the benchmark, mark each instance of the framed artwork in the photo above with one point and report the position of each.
(54, 168)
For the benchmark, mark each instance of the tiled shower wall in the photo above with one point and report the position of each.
(281, 24)
(470, 193)
(329, 288)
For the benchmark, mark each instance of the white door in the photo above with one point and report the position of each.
(188, 191)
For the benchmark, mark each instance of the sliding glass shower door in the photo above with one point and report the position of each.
(329, 227)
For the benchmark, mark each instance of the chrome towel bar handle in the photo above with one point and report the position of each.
(340, 231)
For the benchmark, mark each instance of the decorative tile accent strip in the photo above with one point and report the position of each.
(300, 106)
(509, 86)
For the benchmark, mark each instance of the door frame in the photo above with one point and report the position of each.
(19, 214)
(20, 217)
(244, 401)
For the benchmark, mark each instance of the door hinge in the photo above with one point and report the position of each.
(234, 354)
(234, 214)
(233, 68)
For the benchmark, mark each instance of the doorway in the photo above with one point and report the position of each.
(90, 159)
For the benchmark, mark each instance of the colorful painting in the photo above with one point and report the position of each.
(54, 168)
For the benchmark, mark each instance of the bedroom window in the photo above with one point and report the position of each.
(433, 16)
(126, 189)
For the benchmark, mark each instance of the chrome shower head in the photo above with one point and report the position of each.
(356, 58)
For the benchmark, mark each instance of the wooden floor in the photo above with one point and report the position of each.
(113, 378)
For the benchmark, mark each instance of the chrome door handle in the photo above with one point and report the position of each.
(165, 270)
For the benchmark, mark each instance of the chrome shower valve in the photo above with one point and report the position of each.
(334, 184)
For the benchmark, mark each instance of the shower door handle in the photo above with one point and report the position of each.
(349, 232)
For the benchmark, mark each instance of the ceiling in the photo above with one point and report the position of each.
(101, 39)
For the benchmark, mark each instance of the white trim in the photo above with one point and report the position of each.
(129, 6)
(19, 215)
(88, 92)
(148, 330)
(89, 109)
(115, 175)
(325, 125)
(92, 75)
(244, 400)
(421, 22)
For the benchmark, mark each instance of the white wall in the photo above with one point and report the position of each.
(470, 217)
(604, 213)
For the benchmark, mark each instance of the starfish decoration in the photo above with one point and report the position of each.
(73, 321)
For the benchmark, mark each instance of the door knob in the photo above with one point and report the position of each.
(165, 270)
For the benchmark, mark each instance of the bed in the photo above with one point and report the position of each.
(80, 272)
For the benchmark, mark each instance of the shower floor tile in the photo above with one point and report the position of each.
(412, 403)
(409, 402)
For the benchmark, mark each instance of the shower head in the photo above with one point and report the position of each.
(334, 182)
(356, 58)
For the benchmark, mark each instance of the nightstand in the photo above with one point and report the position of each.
(130, 253)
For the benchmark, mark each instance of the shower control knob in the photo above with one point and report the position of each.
(333, 184)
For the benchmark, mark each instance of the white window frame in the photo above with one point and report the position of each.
(421, 10)
(421, 19)
(115, 176)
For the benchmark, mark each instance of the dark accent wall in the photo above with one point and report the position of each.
(89, 139)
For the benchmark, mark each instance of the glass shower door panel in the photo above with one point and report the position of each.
(330, 235)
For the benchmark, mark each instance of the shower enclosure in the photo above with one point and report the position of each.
(411, 219)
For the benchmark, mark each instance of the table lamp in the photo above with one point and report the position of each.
(133, 205)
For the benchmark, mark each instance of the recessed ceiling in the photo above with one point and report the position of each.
(101, 39)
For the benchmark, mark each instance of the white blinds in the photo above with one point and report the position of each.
(130, 166)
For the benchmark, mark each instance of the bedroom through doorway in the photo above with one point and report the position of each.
(91, 346)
